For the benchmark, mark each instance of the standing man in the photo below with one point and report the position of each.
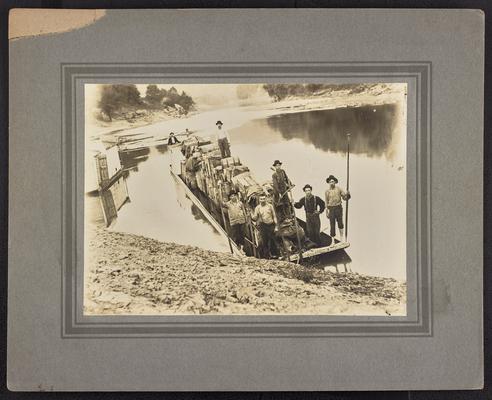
(223, 140)
(266, 219)
(191, 167)
(237, 219)
(313, 206)
(334, 211)
(281, 185)
(172, 139)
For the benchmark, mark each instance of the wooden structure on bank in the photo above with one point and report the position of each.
(112, 189)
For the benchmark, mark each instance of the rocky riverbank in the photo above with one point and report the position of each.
(129, 274)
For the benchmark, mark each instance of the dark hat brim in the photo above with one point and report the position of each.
(307, 187)
(331, 177)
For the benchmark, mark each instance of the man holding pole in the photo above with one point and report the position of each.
(334, 211)
(281, 187)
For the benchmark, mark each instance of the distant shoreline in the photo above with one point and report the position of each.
(374, 96)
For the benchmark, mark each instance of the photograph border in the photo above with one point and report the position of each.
(240, 326)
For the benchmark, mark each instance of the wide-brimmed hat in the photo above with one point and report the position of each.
(330, 178)
(276, 162)
(171, 133)
(232, 193)
(306, 186)
(219, 123)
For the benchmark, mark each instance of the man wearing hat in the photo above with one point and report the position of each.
(172, 139)
(267, 223)
(334, 211)
(191, 167)
(223, 140)
(237, 218)
(313, 206)
(281, 185)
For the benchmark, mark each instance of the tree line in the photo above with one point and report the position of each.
(119, 99)
(280, 91)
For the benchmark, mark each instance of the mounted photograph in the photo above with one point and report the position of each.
(245, 199)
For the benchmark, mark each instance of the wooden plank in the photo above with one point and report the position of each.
(320, 250)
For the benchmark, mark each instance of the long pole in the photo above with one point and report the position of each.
(250, 229)
(224, 220)
(296, 226)
(348, 177)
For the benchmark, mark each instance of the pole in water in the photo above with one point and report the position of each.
(348, 177)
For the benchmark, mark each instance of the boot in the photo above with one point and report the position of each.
(342, 234)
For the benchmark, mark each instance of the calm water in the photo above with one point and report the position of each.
(311, 145)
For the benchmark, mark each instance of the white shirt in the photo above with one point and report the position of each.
(222, 133)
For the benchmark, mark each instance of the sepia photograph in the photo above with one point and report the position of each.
(245, 199)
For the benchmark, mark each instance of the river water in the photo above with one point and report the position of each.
(312, 145)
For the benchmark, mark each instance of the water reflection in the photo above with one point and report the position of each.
(338, 261)
(371, 128)
(162, 148)
(160, 209)
(131, 159)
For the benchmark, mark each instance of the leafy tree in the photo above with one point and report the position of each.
(277, 91)
(154, 96)
(186, 101)
(114, 98)
(314, 87)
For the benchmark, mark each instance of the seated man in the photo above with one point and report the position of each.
(172, 139)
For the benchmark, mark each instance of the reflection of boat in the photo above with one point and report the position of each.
(215, 178)
(217, 226)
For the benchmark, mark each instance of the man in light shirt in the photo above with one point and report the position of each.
(237, 219)
(266, 219)
(334, 211)
(223, 140)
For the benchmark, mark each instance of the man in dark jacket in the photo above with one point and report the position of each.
(281, 185)
(172, 139)
(313, 206)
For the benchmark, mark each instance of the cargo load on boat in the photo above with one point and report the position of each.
(209, 179)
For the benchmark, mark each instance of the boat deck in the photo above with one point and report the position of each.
(327, 245)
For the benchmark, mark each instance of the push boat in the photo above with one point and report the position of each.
(212, 182)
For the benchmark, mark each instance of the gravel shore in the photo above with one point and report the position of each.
(129, 274)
